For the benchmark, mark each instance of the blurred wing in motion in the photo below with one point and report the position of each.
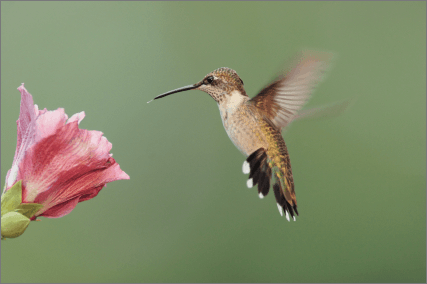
(284, 97)
(325, 111)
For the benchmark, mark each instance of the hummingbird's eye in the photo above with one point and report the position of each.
(209, 80)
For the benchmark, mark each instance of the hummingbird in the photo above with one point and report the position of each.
(255, 125)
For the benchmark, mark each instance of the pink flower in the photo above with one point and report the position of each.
(59, 164)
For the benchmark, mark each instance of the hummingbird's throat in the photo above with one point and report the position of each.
(234, 100)
(231, 102)
(218, 96)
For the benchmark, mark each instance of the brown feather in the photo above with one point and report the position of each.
(281, 100)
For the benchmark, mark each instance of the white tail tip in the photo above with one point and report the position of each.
(287, 216)
(246, 169)
(280, 209)
(294, 218)
(250, 183)
(260, 195)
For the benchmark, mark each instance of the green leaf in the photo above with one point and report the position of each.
(28, 209)
(13, 224)
(11, 198)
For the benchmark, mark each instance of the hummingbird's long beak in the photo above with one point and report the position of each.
(186, 88)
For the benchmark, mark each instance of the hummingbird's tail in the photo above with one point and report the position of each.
(283, 204)
(256, 166)
(260, 169)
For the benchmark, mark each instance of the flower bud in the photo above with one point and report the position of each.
(13, 224)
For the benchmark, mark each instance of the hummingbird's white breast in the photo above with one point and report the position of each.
(240, 123)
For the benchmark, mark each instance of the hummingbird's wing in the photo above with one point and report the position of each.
(325, 111)
(281, 100)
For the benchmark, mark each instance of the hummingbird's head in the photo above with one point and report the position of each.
(218, 84)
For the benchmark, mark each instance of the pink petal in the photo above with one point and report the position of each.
(60, 210)
(26, 133)
(39, 112)
(60, 165)
(66, 207)
(68, 165)
(83, 188)
(27, 115)
(49, 122)
(77, 117)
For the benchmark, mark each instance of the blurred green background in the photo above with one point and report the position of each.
(186, 214)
